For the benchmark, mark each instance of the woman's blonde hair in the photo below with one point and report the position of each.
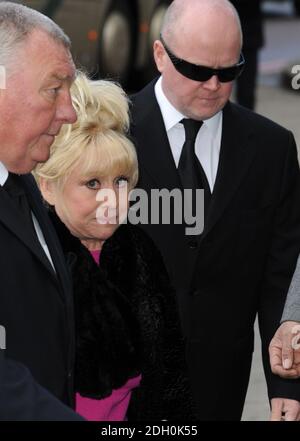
(98, 140)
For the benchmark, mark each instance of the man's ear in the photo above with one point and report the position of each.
(159, 55)
(47, 190)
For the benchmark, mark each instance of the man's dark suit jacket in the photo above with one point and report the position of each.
(23, 399)
(244, 260)
(36, 311)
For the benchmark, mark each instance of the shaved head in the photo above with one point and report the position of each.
(184, 15)
(202, 33)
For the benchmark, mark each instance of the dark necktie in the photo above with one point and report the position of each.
(191, 173)
(17, 194)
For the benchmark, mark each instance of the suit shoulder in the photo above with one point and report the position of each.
(146, 96)
(32, 187)
(257, 122)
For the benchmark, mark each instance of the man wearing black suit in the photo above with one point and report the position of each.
(36, 295)
(243, 261)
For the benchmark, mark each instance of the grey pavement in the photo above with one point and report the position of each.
(281, 106)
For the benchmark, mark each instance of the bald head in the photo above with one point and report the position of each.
(201, 33)
(187, 17)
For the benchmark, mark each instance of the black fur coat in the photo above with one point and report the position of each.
(127, 323)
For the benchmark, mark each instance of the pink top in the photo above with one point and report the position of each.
(96, 255)
(112, 408)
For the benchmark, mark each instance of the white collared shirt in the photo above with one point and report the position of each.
(3, 178)
(3, 174)
(208, 141)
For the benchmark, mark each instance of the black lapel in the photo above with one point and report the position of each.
(10, 217)
(236, 156)
(153, 146)
(49, 233)
(62, 275)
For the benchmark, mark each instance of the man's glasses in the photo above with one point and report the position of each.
(203, 73)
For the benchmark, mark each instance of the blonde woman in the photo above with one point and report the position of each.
(130, 357)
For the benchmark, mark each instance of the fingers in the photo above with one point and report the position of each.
(276, 407)
(276, 364)
(284, 359)
(291, 411)
(291, 374)
(287, 351)
(291, 415)
(284, 409)
(275, 355)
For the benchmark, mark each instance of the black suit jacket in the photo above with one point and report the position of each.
(242, 263)
(23, 399)
(36, 306)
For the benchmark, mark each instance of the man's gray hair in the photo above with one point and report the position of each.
(16, 24)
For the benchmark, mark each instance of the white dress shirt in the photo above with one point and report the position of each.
(39, 233)
(208, 141)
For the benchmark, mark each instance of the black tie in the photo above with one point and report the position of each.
(17, 194)
(191, 173)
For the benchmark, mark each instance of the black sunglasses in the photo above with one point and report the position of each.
(203, 73)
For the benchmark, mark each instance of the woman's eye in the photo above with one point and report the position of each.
(122, 181)
(93, 184)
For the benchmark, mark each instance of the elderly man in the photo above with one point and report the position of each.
(189, 135)
(36, 296)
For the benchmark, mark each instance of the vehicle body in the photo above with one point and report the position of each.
(109, 37)
(296, 4)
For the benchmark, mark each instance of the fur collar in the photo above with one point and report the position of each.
(127, 322)
(107, 349)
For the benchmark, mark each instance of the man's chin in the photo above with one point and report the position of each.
(41, 155)
(23, 169)
(29, 165)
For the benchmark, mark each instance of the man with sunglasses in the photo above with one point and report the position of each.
(189, 134)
